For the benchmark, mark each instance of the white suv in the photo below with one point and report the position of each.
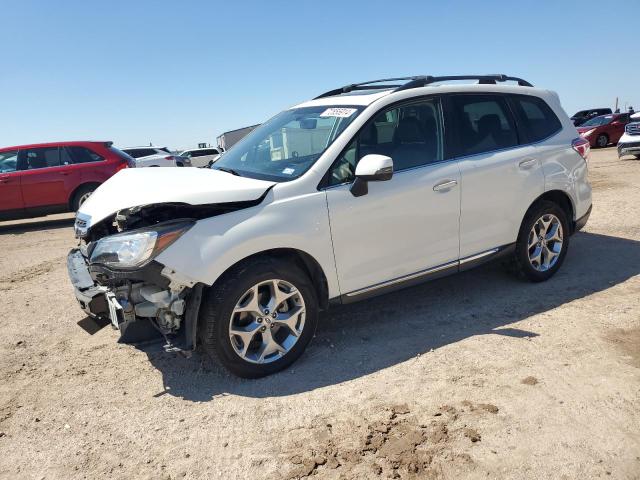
(201, 157)
(156, 157)
(363, 190)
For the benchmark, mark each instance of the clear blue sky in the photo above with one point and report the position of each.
(181, 72)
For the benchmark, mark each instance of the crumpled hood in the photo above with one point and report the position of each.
(133, 187)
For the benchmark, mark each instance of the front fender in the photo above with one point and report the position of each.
(213, 245)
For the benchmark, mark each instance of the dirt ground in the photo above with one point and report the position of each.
(478, 375)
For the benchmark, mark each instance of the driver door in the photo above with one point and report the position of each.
(404, 227)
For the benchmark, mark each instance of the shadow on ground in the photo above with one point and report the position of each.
(20, 227)
(359, 339)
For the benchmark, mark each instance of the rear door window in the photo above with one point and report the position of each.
(36, 158)
(483, 124)
(84, 155)
(536, 119)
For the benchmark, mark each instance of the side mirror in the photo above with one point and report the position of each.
(371, 168)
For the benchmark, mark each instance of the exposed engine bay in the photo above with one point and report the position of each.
(148, 300)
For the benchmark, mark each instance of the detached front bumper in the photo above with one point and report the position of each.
(96, 301)
(138, 307)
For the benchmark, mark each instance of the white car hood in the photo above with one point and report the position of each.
(133, 187)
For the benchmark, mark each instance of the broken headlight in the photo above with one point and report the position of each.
(132, 249)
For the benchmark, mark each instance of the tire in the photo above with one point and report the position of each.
(637, 157)
(541, 268)
(602, 140)
(81, 196)
(235, 291)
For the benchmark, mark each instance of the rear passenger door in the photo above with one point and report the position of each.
(501, 175)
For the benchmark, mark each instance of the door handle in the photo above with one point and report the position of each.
(64, 173)
(446, 185)
(5, 179)
(528, 162)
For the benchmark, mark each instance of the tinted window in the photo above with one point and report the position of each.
(411, 135)
(35, 158)
(84, 155)
(8, 161)
(537, 120)
(140, 152)
(598, 121)
(484, 124)
(202, 153)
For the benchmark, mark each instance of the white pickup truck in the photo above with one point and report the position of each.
(629, 143)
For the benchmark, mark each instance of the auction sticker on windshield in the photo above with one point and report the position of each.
(338, 112)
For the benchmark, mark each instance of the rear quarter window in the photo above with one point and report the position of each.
(536, 120)
(84, 155)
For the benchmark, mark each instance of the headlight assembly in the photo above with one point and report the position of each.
(132, 249)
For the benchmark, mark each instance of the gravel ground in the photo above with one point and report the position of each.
(478, 375)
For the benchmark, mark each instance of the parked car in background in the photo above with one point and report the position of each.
(156, 157)
(583, 115)
(629, 143)
(201, 157)
(360, 191)
(605, 129)
(46, 178)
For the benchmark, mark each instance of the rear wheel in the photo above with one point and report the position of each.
(81, 196)
(543, 242)
(602, 140)
(259, 318)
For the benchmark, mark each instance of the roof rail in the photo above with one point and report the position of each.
(421, 81)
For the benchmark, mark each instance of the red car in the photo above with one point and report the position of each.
(605, 129)
(49, 178)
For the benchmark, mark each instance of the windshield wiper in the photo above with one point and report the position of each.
(228, 170)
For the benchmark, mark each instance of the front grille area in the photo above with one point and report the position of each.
(633, 128)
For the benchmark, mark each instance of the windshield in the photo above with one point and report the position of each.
(287, 145)
(597, 121)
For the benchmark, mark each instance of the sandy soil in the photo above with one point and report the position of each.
(474, 376)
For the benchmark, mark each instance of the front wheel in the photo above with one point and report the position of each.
(259, 318)
(602, 140)
(81, 196)
(543, 242)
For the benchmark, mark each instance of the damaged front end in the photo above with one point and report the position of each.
(117, 279)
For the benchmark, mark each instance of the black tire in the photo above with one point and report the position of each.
(81, 195)
(221, 299)
(522, 264)
(602, 140)
(637, 157)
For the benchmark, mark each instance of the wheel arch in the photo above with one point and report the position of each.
(560, 198)
(75, 191)
(302, 259)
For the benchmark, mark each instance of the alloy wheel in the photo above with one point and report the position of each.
(267, 321)
(545, 242)
(602, 141)
(83, 198)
